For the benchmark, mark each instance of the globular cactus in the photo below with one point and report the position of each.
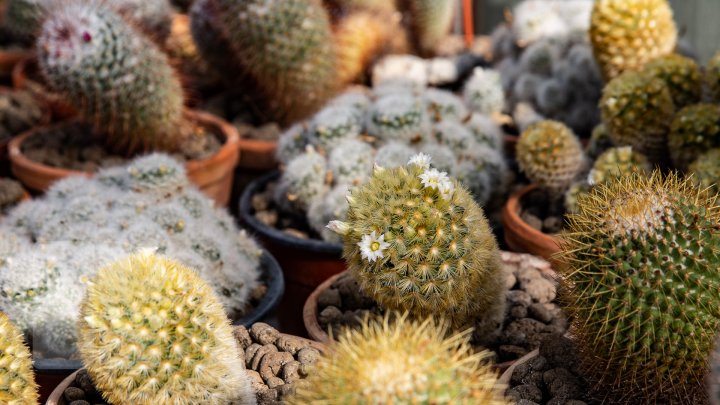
(151, 331)
(454, 135)
(393, 154)
(682, 76)
(303, 182)
(398, 117)
(599, 142)
(573, 194)
(17, 380)
(533, 20)
(444, 105)
(637, 110)
(328, 208)
(486, 131)
(618, 162)
(351, 162)
(22, 19)
(642, 287)
(705, 170)
(152, 17)
(550, 155)
(443, 157)
(429, 22)
(285, 46)
(420, 364)
(712, 78)
(483, 91)
(292, 143)
(627, 34)
(694, 130)
(119, 79)
(332, 125)
(416, 241)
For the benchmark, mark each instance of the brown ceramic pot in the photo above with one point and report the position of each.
(519, 235)
(45, 120)
(257, 154)
(214, 175)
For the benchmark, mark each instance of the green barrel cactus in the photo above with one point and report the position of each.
(17, 381)
(705, 170)
(22, 19)
(618, 162)
(120, 80)
(401, 362)
(429, 20)
(550, 155)
(151, 331)
(682, 76)
(637, 109)
(643, 289)
(416, 241)
(694, 130)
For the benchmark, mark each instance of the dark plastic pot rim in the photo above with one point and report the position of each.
(272, 276)
(276, 236)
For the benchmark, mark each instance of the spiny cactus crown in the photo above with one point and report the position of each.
(416, 241)
(682, 76)
(643, 287)
(152, 331)
(693, 131)
(618, 162)
(419, 364)
(17, 380)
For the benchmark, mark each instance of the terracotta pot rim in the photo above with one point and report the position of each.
(512, 209)
(517, 230)
(230, 147)
(310, 311)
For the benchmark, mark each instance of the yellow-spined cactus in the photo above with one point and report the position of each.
(153, 332)
(626, 34)
(401, 362)
(17, 382)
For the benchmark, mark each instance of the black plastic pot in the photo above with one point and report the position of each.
(50, 372)
(306, 263)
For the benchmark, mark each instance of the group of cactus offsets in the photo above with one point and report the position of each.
(48, 246)
(338, 147)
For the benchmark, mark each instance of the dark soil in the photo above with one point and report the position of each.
(541, 213)
(19, 111)
(274, 363)
(75, 146)
(11, 193)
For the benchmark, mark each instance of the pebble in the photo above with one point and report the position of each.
(330, 297)
(541, 312)
(242, 336)
(290, 344)
(552, 224)
(532, 220)
(259, 202)
(540, 289)
(519, 297)
(264, 333)
(272, 363)
(329, 315)
(259, 354)
(308, 355)
(528, 392)
(80, 402)
(518, 311)
(269, 217)
(561, 383)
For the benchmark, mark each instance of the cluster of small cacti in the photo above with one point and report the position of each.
(339, 146)
(547, 64)
(151, 331)
(49, 245)
(642, 287)
(398, 361)
(17, 380)
(416, 241)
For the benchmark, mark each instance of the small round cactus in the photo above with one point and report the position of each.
(22, 19)
(416, 241)
(444, 105)
(328, 208)
(550, 155)
(599, 142)
(486, 130)
(712, 77)
(705, 170)
(418, 364)
(304, 181)
(627, 34)
(152, 331)
(694, 130)
(292, 143)
(483, 92)
(393, 154)
(429, 20)
(17, 381)
(332, 125)
(618, 162)
(637, 109)
(682, 76)
(642, 287)
(351, 162)
(400, 117)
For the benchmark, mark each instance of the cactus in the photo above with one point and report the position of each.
(682, 76)
(705, 170)
(444, 105)
(330, 207)
(533, 20)
(483, 92)
(84, 52)
(429, 21)
(351, 162)
(618, 162)
(419, 365)
(637, 110)
(153, 17)
(291, 143)
(486, 131)
(23, 18)
(416, 241)
(285, 46)
(393, 154)
(599, 141)
(550, 155)
(443, 157)
(303, 182)
(332, 125)
(712, 78)
(627, 34)
(399, 117)
(152, 331)
(694, 130)
(17, 381)
(643, 287)
(573, 195)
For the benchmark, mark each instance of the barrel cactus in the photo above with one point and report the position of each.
(22, 19)
(429, 20)
(643, 288)
(618, 162)
(416, 241)
(682, 76)
(712, 77)
(17, 381)
(705, 170)
(694, 130)
(119, 79)
(401, 362)
(152, 331)
(626, 34)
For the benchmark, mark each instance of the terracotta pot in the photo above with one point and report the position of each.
(56, 396)
(520, 236)
(257, 154)
(10, 59)
(23, 78)
(44, 120)
(214, 175)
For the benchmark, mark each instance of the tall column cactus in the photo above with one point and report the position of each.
(643, 288)
(119, 79)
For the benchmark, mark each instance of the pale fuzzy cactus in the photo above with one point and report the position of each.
(444, 105)
(153, 17)
(443, 158)
(303, 181)
(358, 100)
(332, 125)
(351, 162)
(152, 331)
(393, 154)
(454, 135)
(291, 143)
(576, 191)
(332, 206)
(483, 92)
(398, 117)
(537, 19)
(17, 380)
(481, 185)
(486, 130)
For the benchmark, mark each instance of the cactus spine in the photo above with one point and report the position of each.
(682, 76)
(17, 382)
(118, 78)
(401, 362)
(643, 288)
(152, 332)
(694, 130)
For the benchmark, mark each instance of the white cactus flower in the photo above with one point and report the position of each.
(421, 160)
(372, 246)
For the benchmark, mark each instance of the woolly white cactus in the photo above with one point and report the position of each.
(323, 210)
(483, 92)
(351, 162)
(534, 20)
(486, 131)
(444, 105)
(334, 124)
(303, 181)
(393, 154)
(49, 246)
(398, 117)
(291, 143)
